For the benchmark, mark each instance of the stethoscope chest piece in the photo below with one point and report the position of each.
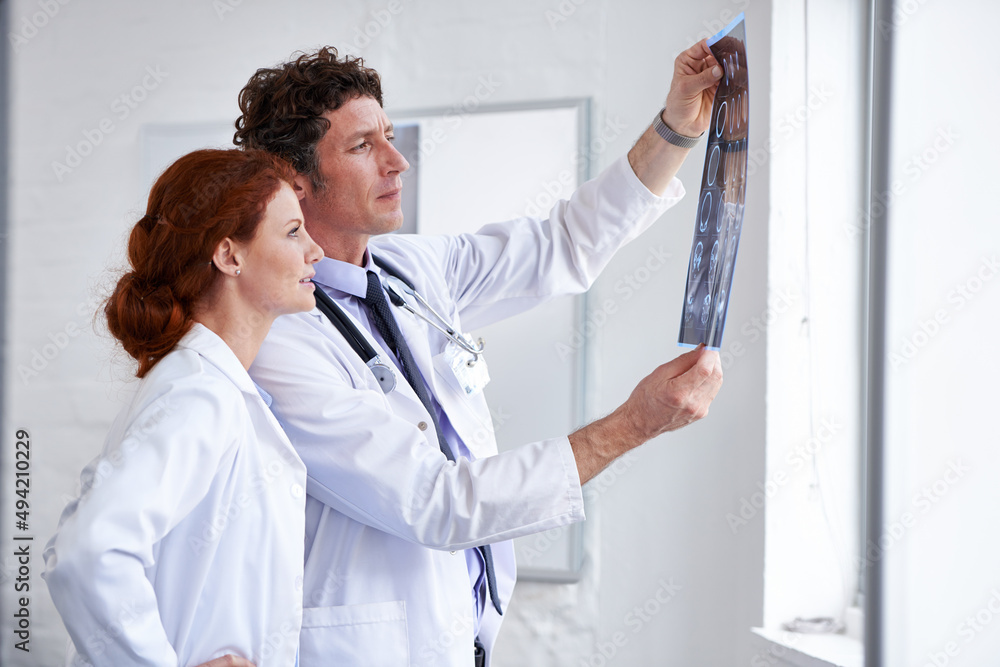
(383, 374)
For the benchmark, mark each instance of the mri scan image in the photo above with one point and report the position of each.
(721, 204)
(706, 212)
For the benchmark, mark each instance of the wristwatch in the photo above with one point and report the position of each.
(672, 137)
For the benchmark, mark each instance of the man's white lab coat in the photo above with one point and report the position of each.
(387, 518)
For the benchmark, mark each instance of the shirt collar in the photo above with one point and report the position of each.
(263, 394)
(343, 276)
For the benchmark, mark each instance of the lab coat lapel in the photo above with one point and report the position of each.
(215, 351)
(404, 399)
(415, 332)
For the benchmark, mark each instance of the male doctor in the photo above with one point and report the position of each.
(410, 509)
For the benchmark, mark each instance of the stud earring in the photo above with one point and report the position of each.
(237, 272)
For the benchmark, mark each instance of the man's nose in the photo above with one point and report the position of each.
(395, 161)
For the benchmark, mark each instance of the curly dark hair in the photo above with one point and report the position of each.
(282, 108)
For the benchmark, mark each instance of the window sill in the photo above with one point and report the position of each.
(780, 647)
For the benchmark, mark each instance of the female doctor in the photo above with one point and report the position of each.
(185, 546)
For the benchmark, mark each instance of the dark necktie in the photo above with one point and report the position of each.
(378, 305)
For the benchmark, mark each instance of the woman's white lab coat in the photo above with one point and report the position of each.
(186, 542)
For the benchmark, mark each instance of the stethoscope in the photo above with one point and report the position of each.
(383, 374)
(397, 288)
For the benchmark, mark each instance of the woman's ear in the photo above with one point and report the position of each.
(227, 257)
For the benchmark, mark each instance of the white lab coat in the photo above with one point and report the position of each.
(187, 540)
(386, 583)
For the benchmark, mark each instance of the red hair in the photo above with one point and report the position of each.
(201, 199)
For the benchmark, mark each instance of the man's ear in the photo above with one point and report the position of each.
(302, 186)
(227, 257)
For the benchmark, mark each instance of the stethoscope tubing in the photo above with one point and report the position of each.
(396, 288)
(383, 374)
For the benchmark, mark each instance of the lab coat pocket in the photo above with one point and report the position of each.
(373, 634)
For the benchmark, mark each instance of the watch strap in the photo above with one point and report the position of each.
(672, 137)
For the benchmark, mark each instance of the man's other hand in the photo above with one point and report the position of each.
(675, 394)
(672, 396)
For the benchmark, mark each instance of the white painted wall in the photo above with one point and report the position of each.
(941, 544)
(659, 517)
(665, 516)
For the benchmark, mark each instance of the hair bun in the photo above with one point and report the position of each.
(148, 319)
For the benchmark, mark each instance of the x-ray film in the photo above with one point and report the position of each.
(723, 191)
